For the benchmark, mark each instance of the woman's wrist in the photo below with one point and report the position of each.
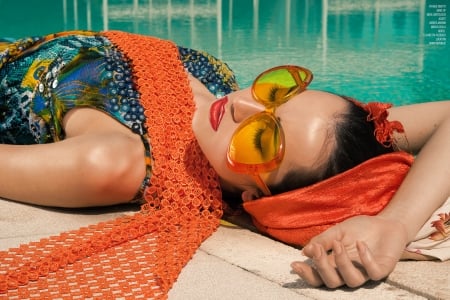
(398, 222)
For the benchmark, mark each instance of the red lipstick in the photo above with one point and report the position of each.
(217, 111)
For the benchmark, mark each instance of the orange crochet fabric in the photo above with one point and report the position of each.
(139, 256)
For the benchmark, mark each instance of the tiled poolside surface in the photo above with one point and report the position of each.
(234, 263)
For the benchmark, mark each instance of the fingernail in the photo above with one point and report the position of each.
(306, 249)
(296, 267)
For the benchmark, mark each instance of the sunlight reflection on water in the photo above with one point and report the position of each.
(368, 49)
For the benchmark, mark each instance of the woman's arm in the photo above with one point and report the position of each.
(100, 162)
(376, 243)
(427, 185)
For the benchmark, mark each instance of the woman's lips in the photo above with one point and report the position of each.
(217, 111)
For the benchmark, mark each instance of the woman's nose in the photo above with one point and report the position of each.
(243, 108)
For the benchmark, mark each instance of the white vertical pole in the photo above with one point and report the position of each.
(324, 31)
(75, 13)
(219, 28)
(150, 14)
(135, 15)
(65, 14)
(169, 19)
(105, 14)
(88, 15)
(288, 19)
(255, 18)
(377, 18)
(421, 54)
(192, 20)
(230, 15)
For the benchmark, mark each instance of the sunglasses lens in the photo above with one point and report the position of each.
(256, 144)
(275, 87)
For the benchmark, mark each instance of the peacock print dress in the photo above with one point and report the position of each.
(42, 78)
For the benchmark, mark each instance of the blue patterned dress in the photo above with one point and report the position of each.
(42, 78)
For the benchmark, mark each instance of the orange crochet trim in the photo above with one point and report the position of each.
(137, 256)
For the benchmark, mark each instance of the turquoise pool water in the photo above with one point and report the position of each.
(396, 51)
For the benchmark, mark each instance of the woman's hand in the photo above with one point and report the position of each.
(363, 248)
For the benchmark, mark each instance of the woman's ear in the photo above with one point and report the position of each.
(250, 195)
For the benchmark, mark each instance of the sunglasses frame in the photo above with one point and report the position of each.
(255, 170)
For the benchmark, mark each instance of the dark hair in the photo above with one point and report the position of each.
(355, 141)
(352, 140)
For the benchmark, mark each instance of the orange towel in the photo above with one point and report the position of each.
(295, 217)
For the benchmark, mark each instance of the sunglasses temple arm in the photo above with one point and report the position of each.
(298, 79)
(262, 185)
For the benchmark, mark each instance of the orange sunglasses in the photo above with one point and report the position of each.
(257, 145)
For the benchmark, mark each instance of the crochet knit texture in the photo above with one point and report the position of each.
(138, 256)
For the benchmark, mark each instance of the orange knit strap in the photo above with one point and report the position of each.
(139, 256)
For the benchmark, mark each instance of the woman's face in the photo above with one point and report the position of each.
(307, 120)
